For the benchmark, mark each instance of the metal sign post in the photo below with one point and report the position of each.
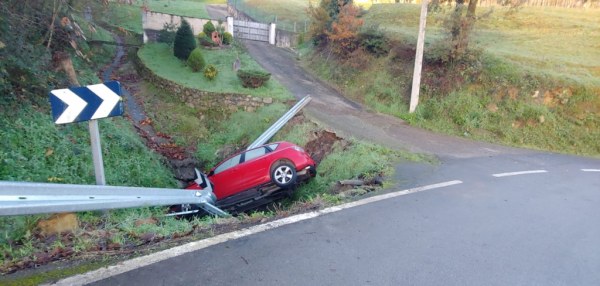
(97, 153)
(88, 103)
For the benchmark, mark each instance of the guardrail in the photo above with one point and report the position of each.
(263, 138)
(18, 198)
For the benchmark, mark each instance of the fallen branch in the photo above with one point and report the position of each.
(351, 182)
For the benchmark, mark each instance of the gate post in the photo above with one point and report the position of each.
(272, 29)
(230, 25)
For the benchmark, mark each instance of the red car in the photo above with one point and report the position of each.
(258, 176)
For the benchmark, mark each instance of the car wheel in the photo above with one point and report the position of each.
(284, 175)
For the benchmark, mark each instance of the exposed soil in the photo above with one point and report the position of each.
(322, 143)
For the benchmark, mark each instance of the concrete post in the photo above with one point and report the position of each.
(230, 25)
(416, 84)
(272, 30)
(144, 21)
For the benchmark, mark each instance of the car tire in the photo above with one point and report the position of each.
(284, 175)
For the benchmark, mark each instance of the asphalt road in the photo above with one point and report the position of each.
(497, 227)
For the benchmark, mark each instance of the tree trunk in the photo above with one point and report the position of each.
(471, 9)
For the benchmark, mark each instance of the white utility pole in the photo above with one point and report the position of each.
(416, 84)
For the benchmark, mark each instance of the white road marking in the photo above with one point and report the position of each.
(519, 173)
(142, 261)
(590, 170)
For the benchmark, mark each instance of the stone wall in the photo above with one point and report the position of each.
(203, 100)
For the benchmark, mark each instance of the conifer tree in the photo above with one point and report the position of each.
(185, 42)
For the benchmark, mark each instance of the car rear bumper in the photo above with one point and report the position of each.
(307, 172)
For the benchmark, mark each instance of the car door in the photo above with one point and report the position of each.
(224, 177)
(253, 170)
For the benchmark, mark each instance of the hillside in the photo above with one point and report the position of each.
(520, 84)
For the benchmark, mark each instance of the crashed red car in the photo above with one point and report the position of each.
(258, 176)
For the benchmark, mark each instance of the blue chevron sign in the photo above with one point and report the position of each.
(86, 103)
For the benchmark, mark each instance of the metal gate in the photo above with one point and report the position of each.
(251, 30)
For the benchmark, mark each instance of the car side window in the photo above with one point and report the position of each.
(228, 164)
(255, 153)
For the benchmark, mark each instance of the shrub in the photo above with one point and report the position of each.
(185, 42)
(167, 34)
(210, 72)
(208, 28)
(196, 60)
(253, 78)
(201, 35)
(206, 41)
(374, 41)
(227, 38)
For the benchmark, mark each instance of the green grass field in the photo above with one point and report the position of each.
(189, 8)
(559, 42)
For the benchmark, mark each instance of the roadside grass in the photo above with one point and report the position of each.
(159, 58)
(342, 164)
(170, 116)
(34, 149)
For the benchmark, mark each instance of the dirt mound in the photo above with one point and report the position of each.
(322, 144)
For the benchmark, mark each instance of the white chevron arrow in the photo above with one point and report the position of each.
(109, 100)
(74, 102)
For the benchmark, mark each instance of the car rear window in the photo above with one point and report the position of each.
(273, 146)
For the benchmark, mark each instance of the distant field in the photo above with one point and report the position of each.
(555, 41)
(129, 16)
(285, 12)
(189, 8)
